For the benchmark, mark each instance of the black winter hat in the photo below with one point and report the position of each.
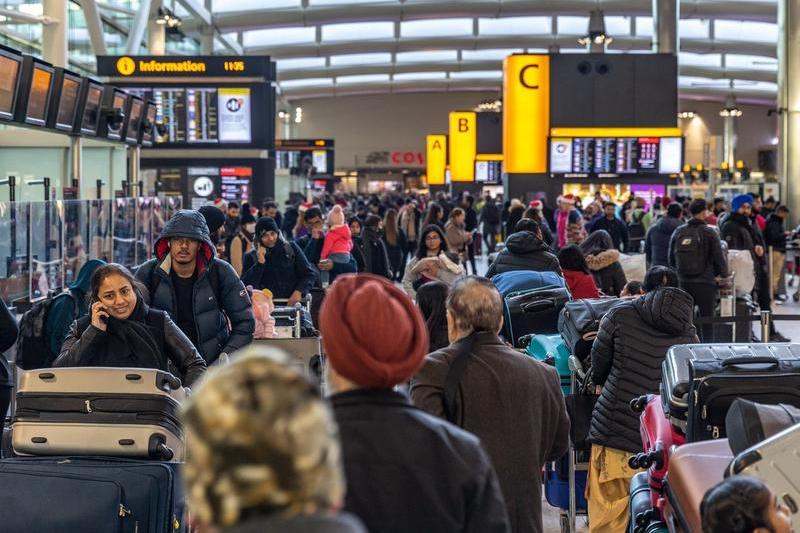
(247, 217)
(266, 224)
(214, 216)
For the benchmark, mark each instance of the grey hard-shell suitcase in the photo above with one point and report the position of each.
(117, 412)
(775, 462)
(749, 423)
(675, 376)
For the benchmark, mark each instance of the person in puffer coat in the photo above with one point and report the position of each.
(626, 362)
(603, 260)
(201, 293)
(656, 244)
(525, 250)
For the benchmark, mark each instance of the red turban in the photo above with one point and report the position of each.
(373, 333)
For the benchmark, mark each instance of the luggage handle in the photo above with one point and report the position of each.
(539, 305)
(760, 360)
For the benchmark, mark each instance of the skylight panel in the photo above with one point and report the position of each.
(361, 59)
(515, 26)
(427, 56)
(280, 36)
(700, 60)
(221, 6)
(357, 31)
(618, 26)
(742, 30)
(644, 26)
(572, 25)
(308, 82)
(436, 27)
(420, 76)
(362, 78)
(495, 54)
(694, 28)
(751, 62)
(477, 75)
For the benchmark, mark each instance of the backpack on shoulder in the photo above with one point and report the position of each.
(33, 342)
(690, 256)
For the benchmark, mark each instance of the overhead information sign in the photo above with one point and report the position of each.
(605, 157)
(436, 159)
(463, 145)
(184, 66)
(526, 113)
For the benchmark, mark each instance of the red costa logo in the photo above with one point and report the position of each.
(407, 158)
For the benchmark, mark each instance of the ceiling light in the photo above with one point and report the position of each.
(597, 30)
(731, 112)
(687, 114)
(775, 140)
(167, 18)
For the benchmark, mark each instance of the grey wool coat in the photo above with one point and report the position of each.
(515, 406)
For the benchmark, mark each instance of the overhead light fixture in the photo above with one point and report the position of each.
(298, 115)
(489, 105)
(730, 112)
(687, 114)
(775, 140)
(166, 17)
(597, 31)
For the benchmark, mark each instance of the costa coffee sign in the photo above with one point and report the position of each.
(396, 158)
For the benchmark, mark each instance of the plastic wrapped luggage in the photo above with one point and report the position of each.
(533, 311)
(676, 380)
(579, 321)
(525, 280)
(693, 469)
(94, 494)
(551, 349)
(119, 412)
(774, 461)
(740, 263)
(634, 266)
(658, 438)
(749, 423)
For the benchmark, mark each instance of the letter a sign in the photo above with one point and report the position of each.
(463, 145)
(437, 159)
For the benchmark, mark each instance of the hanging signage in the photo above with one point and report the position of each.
(437, 158)
(526, 113)
(462, 147)
(184, 66)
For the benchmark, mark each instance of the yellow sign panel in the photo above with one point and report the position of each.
(128, 66)
(463, 145)
(526, 113)
(616, 132)
(437, 158)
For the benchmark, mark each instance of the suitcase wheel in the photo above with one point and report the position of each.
(638, 404)
(158, 449)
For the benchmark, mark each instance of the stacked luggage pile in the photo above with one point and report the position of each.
(724, 409)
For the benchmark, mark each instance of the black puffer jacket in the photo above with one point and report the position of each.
(607, 272)
(656, 244)
(524, 251)
(741, 234)
(213, 310)
(626, 360)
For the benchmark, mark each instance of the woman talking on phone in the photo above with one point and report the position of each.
(122, 331)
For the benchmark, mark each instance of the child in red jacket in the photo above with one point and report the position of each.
(338, 241)
(576, 273)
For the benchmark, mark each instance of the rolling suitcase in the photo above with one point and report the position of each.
(288, 322)
(91, 494)
(749, 423)
(641, 510)
(658, 438)
(120, 412)
(306, 352)
(525, 280)
(550, 349)
(533, 311)
(693, 469)
(774, 461)
(579, 321)
(676, 381)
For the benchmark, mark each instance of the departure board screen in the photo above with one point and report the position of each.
(68, 102)
(132, 133)
(91, 110)
(9, 77)
(39, 95)
(612, 157)
(201, 115)
(489, 172)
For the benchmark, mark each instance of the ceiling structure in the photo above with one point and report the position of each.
(344, 47)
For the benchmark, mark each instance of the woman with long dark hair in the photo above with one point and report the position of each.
(435, 216)
(395, 240)
(431, 299)
(603, 260)
(122, 331)
(432, 262)
(576, 273)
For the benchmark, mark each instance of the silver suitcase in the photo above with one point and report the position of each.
(775, 461)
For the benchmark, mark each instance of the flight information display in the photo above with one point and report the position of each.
(612, 157)
(68, 102)
(9, 77)
(489, 172)
(91, 110)
(204, 115)
(39, 95)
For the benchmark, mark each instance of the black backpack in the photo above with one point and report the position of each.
(33, 342)
(690, 256)
(636, 226)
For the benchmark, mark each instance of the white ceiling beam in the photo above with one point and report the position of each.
(19, 17)
(139, 26)
(94, 25)
(201, 15)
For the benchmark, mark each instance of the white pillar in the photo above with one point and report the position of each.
(54, 33)
(666, 14)
(789, 103)
(156, 33)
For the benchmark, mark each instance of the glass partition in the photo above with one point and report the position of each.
(14, 266)
(100, 229)
(144, 230)
(45, 248)
(125, 231)
(77, 239)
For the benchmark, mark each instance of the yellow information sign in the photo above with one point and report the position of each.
(436, 158)
(463, 145)
(526, 113)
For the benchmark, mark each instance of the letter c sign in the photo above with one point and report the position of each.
(523, 81)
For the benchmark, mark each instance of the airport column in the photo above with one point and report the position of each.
(666, 14)
(54, 32)
(789, 103)
(156, 33)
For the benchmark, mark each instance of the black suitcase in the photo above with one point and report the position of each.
(748, 423)
(676, 381)
(716, 384)
(579, 321)
(534, 311)
(92, 494)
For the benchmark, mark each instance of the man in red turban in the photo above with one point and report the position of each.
(405, 470)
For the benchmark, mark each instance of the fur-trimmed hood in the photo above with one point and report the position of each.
(602, 260)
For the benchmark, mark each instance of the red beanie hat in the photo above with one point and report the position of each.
(373, 333)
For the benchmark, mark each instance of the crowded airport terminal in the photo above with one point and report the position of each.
(400, 266)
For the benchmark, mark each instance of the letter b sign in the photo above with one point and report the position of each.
(463, 125)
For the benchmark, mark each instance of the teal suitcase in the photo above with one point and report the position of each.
(552, 350)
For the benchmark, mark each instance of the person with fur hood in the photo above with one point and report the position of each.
(603, 260)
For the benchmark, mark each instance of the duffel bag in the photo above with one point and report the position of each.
(749, 423)
(534, 311)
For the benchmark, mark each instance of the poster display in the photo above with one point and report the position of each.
(611, 157)
(234, 115)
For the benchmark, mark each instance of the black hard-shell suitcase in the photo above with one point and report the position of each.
(716, 384)
(749, 423)
(640, 505)
(579, 322)
(534, 311)
(92, 494)
(676, 381)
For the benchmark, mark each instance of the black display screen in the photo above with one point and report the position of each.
(68, 102)
(39, 95)
(9, 78)
(132, 133)
(150, 134)
(615, 156)
(91, 111)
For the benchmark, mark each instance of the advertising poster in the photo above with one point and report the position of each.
(234, 115)
(561, 155)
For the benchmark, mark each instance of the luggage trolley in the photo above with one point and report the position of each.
(569, 518)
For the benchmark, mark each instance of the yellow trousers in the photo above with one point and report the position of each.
(777, 268)
(607, 490)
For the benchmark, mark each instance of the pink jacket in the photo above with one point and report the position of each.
(337, 241)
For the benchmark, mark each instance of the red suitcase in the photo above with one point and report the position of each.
(694, 468)
(658, 438)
